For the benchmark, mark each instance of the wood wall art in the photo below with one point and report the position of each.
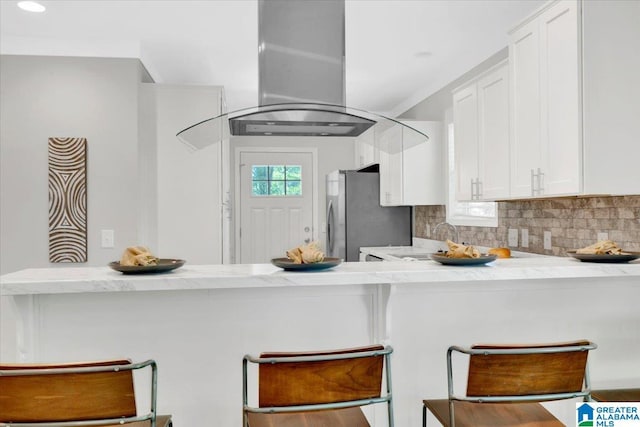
(67, 200)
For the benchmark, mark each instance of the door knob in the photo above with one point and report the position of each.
(307, 229)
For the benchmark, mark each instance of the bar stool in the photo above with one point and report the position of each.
(505, 384)
(76, 394)
(321, 388)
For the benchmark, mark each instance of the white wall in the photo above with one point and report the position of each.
(42, 97)
(68, 97)
(187, 222)
(141, 181)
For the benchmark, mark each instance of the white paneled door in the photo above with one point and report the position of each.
(276, 203)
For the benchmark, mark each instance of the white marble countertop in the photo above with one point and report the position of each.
(422, 247)
(238, 276)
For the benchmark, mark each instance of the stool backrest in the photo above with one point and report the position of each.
(318, 382)
(38, 396)
(539, 369)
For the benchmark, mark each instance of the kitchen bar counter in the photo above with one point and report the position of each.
(198, 321)
(237, 276)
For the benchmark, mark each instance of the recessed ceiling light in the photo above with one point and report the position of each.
(31, 6)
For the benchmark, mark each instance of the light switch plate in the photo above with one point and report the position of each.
(512, 238)
(107, 238)
(547, 240)
(524, 238)
(603, 236)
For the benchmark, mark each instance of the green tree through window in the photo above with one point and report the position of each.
(276, 180)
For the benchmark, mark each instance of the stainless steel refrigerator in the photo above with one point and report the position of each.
(355, 218)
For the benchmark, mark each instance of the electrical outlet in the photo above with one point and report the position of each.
(524, 238)
(512, 237)
(603, 236)
(547, 240)
(107, 238)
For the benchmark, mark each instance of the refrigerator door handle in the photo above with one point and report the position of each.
(330, 240)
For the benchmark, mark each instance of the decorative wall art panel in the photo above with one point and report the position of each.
(67, 200)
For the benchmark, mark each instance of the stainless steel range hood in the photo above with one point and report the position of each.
(300, 120)
(301, 58)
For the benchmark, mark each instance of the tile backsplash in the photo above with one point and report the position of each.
(574, 222)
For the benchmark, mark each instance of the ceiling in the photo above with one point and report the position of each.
(397, 52)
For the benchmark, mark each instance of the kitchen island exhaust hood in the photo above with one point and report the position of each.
(301, 61)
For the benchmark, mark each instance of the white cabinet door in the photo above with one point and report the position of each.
(493, 134)
(366, 150)
(422, 164)
(481, 136)
(465, 122)
(611, 97)
(560, 100)
(546, 140)
(525, 107)
(390, 155)
(410, 164)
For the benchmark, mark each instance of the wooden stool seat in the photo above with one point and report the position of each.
(617, 395)
(493, 414)
(347, 417)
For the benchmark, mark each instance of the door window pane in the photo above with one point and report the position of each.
(294, 173)
(260, 188)
(294, 188)
(276, 173)
(259, 173)
(276, 180)
(276, 188)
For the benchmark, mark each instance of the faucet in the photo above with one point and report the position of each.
(451, 226)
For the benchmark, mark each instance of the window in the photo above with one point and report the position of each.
(483, 214)
(276, 180)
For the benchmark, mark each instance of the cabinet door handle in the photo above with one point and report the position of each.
(533, 186)
(476, 189)
(540, 182)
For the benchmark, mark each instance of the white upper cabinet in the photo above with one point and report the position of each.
(575, 100)
(465, 124)
(366, 150)
(611, 97)
(410, 165)
(391, 167)
(481, 136)
(493, 132)
(545, 103)
(422, 164)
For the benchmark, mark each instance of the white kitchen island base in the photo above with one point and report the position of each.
(199, 321)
